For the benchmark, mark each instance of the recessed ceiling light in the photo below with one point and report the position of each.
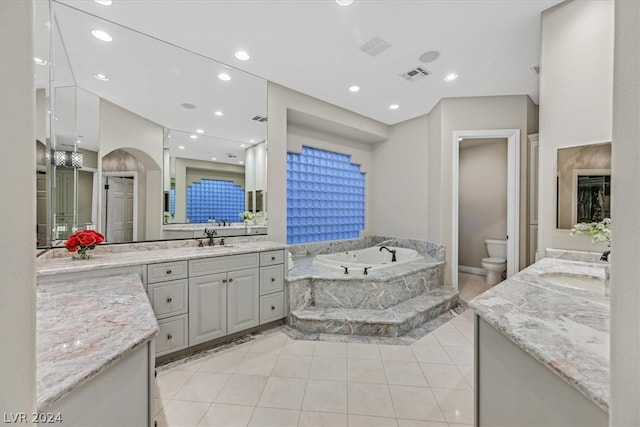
(218, 113)
(344, 2)
(242, 55)
(354, 88)
(242, 145)
(102, 35)
(214, 158)
(450, 77)
(224, 77)
(193, 136)
(199, 131)
(100, 76)
(430, 56)
(181, 147)
(104, 2)
(252, 140)
(188, 106)
(242, 163)
(394, 106)
(39, 61)
(78, 141)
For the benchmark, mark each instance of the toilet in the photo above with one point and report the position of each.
(496, 263)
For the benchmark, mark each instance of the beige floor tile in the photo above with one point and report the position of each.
(292, 366)
(322, 419)
(222, 415)
(330, 349)
(274, 417)
(178, 413)
(325, 396)
(367, 421)
(242, 390)
(401, 353)
(271, 343)
(467, 373)
(370, 399)
(158, 404)
(404, 373)
(431, 354)
(362, 351)
(428, 339)
(366, 371)
(169, 382)
(225, 361)
(460, 355)
(283, 393)
(456, 405)
(451, 338)
(202, 387)
(298, 348)
(192, 365)
(420, 423)
(417, 403)
(328, 368)
(257, 364)
(444, 376)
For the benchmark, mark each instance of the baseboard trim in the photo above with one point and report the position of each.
(472, 270)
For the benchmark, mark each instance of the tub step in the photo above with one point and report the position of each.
(391, 322)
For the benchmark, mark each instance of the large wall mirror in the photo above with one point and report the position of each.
(138, 138)
(583, 184)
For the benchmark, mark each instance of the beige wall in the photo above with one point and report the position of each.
(625, 268)
(576, 95)
(17, 209)
(482, 197)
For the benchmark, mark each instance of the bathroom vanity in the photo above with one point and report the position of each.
(542, 347)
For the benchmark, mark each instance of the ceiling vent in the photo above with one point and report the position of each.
(230, 156)
(415, 74)
(375, 46)
(260, 119)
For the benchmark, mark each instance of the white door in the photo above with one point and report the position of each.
(119, 209)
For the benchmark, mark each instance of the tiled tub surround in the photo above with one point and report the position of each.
(58, 261)
(565, 329)
(86, 326)
(388, 302)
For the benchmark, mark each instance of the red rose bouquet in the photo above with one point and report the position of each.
(83, 240)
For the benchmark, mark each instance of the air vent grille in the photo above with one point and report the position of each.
(375, 46)
(260, 119)
(415, 74)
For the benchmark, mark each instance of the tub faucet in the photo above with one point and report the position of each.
(605, 256)
(210, 232)
(391, 251)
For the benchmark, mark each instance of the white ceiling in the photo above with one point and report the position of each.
(310, 46)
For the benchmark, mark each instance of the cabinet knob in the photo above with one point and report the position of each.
(169, 336)
(169, 271)
(169, 299)
(155, 373)
(230, 280)
(273, 258)
(224, 280)
(273, 279)
(273, 307)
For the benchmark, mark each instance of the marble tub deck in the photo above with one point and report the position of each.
(85, 326)
(565, 329)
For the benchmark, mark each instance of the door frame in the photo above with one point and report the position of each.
(124, 174)
(513, 195)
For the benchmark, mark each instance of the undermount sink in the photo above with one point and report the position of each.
(578, 281)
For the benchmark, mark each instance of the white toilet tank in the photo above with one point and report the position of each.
(496, 248)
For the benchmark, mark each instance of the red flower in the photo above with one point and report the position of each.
(86, 238)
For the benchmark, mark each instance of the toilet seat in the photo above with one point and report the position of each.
(494, 260)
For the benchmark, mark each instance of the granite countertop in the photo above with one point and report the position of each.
(150, 255)
(85, 326)
(565, 329)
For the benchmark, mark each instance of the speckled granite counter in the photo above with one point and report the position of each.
(85, 326)
(149, 254)
(565, 329)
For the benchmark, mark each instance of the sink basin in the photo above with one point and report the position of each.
(578, 281)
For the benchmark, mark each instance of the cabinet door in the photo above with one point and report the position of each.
(207, 308)
(243, 300)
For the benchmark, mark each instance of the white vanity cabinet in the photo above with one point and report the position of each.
(223, 296)
(167, 287)
(271, 286)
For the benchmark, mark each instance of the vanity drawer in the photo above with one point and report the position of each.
(271, 279)
(168, 298)
(222, 264)
(166, 271)
(271, 307)
(271, 257)
(172, 336)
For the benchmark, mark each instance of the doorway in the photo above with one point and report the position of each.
(512, 137)
(120, 212)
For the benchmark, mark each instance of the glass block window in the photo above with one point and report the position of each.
(172, 202)
(325, 196)
(214, 199)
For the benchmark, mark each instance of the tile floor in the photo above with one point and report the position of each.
(277, 381)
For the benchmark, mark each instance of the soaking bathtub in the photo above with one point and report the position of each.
(373, 258)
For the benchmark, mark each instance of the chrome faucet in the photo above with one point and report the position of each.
(391, 251)
(605, 256)
(210, 232)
